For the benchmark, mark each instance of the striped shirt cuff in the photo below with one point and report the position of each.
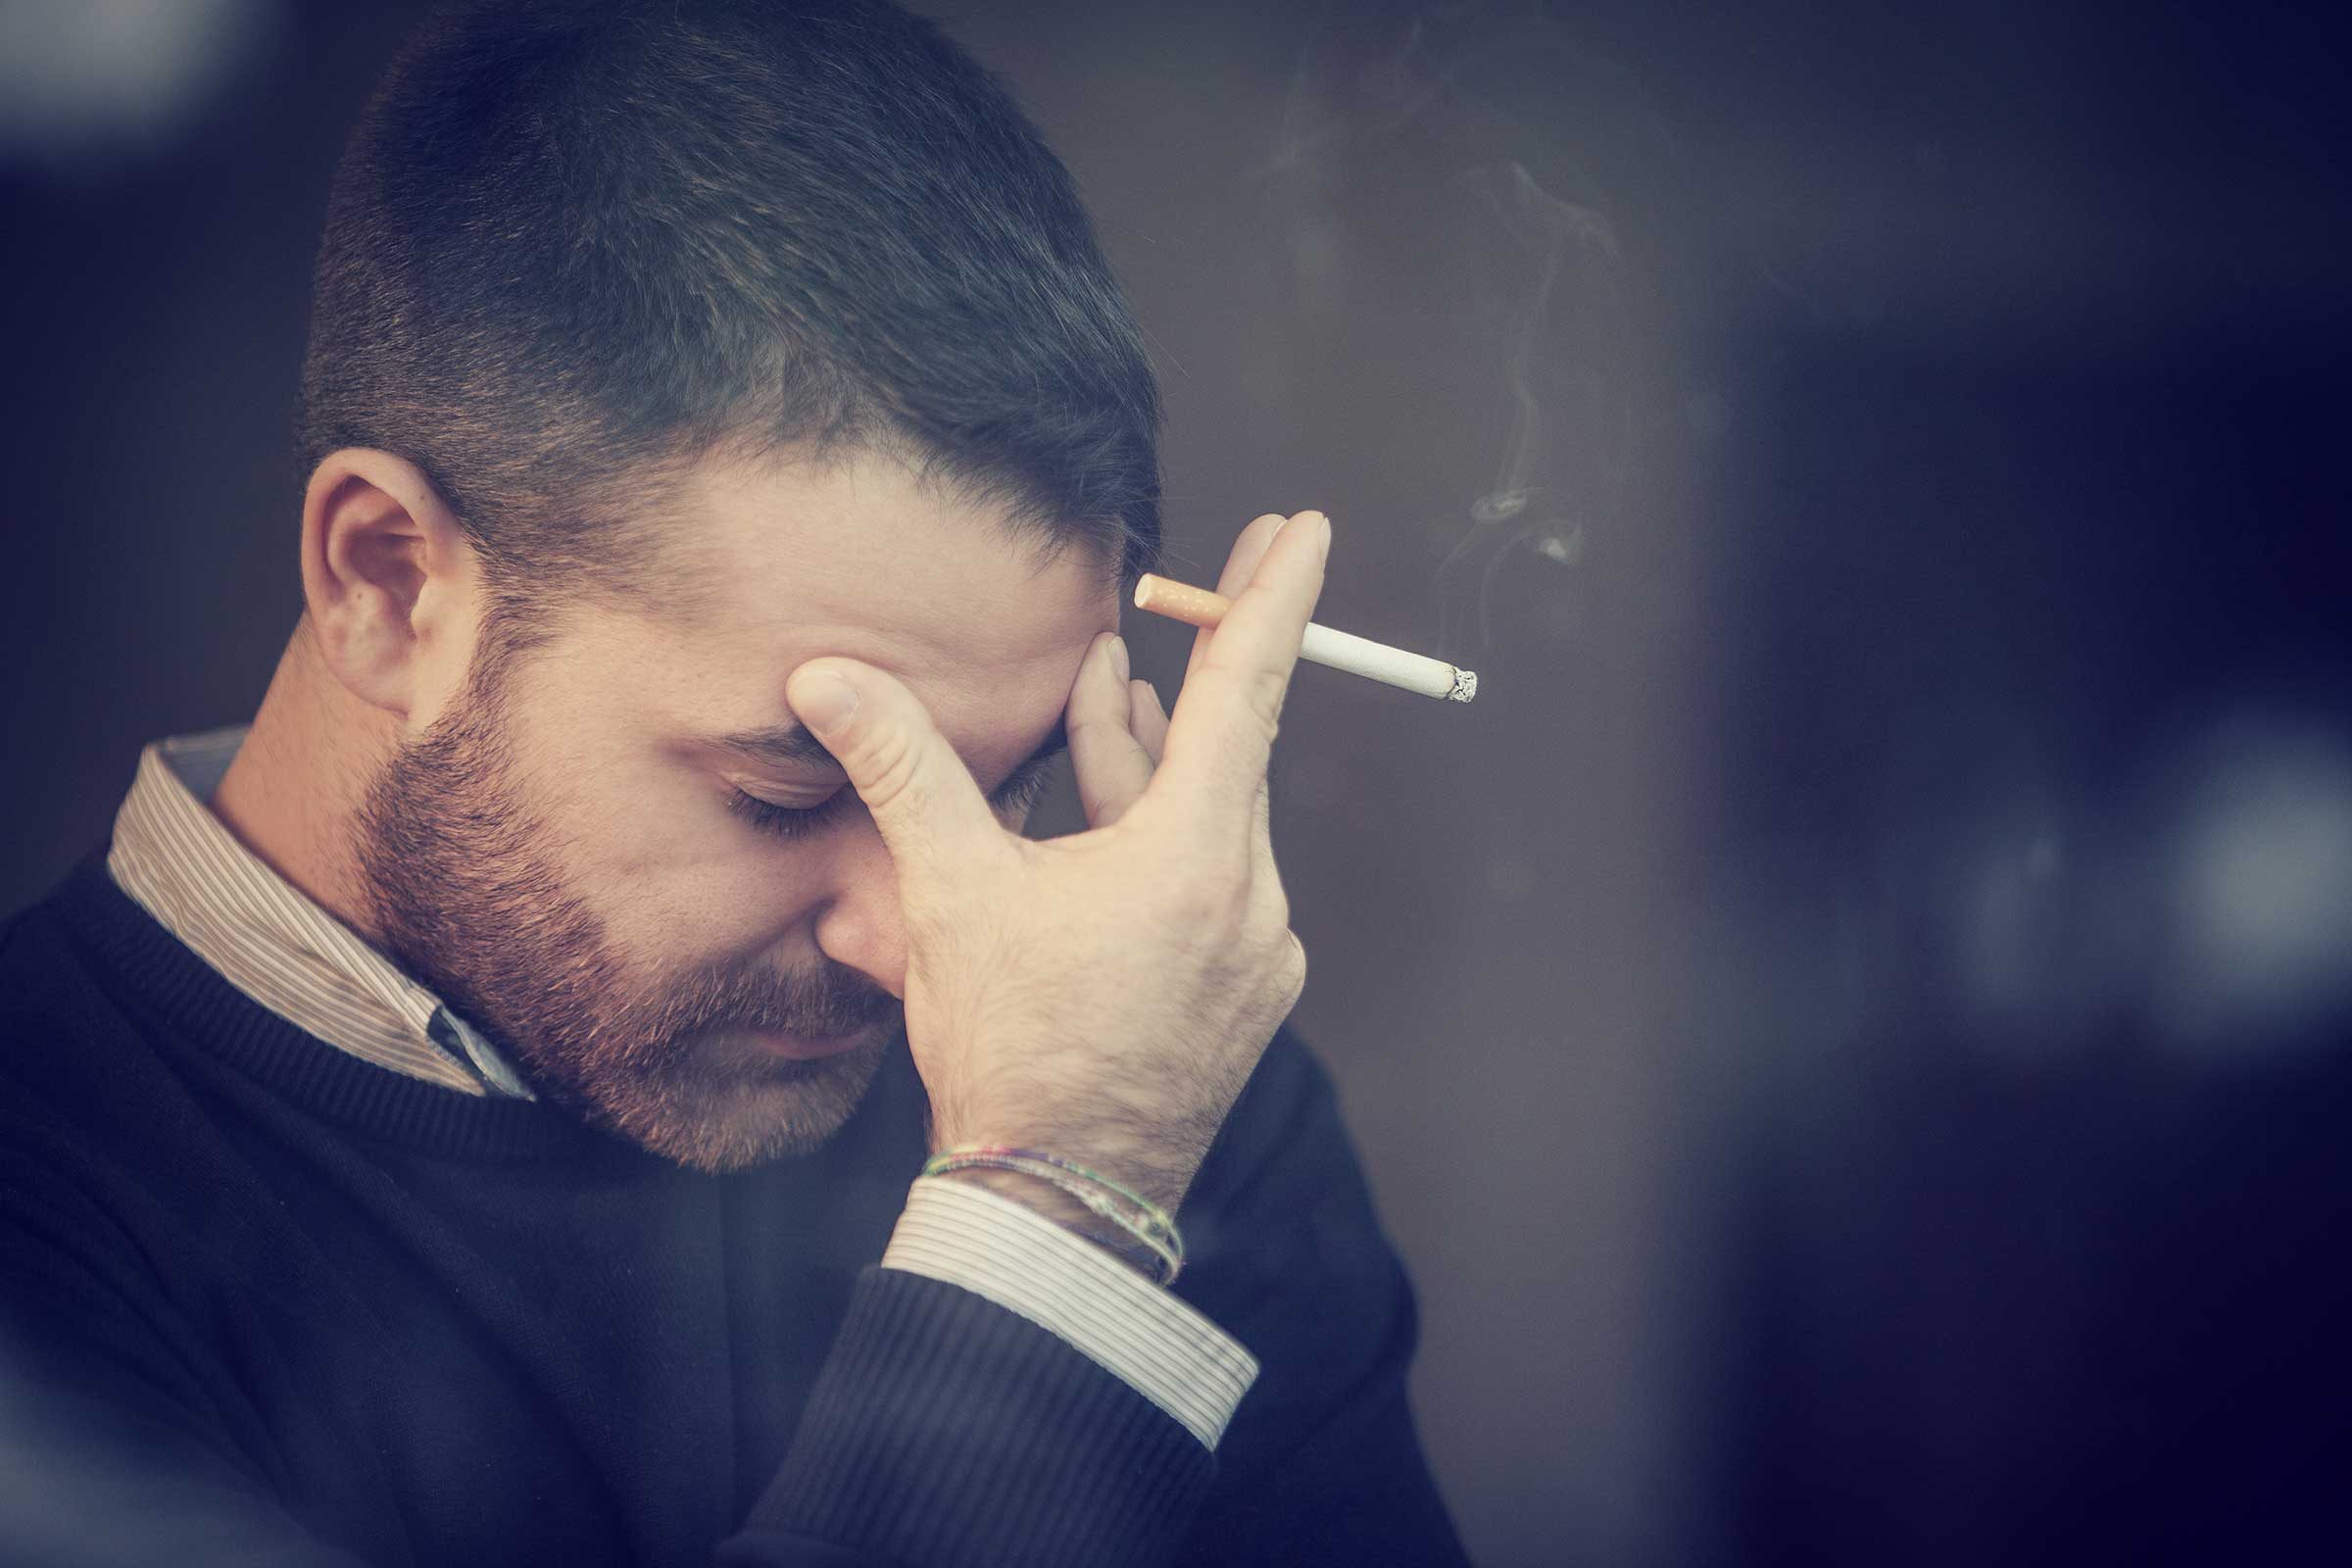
(1146, 1336)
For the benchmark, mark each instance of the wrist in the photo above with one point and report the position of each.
(1153, 1169)
(1044, 1198)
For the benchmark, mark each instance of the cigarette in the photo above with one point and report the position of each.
(1359, 656)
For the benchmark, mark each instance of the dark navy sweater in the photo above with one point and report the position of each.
(261, 1301)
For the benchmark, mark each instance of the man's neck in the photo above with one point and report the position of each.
(292, 794)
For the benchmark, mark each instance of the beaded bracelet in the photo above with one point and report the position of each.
(1145, 1221)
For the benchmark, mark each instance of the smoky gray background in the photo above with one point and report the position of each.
(1879, 462)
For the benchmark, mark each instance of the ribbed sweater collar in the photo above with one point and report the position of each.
(153, 972)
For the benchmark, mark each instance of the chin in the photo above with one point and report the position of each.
(743, 1115)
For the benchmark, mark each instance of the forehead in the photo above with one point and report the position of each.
(791, 559)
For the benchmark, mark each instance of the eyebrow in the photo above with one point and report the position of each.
(793, 746)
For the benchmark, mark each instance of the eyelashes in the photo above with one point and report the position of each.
(784, 821)
(1018, 794)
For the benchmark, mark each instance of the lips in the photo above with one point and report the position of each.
(805, 1048)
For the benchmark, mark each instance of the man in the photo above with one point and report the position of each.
(475, 1115)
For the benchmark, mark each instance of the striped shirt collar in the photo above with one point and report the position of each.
(182, 863)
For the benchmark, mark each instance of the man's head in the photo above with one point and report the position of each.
(658, 349)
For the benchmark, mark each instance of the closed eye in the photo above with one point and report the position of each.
(783, 822)
(1015, 795)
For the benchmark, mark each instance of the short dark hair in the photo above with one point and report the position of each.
(574, 247)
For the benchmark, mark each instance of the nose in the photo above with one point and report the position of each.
(859, 924)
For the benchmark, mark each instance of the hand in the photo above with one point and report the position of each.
(1102, 995)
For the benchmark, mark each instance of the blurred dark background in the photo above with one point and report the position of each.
(1852, 1029)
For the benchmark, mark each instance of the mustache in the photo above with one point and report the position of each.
(836, 1002)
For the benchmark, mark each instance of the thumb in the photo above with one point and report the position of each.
(931, 814)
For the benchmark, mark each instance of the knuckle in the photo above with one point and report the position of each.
(888, 762)
(1293, 970)
(1276, 945)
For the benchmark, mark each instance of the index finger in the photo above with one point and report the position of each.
(1222, 732)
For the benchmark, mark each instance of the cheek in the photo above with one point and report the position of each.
(673, 874)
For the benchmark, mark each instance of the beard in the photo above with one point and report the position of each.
(465, 894)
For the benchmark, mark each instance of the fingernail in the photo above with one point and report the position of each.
(1118, 657)
(825, 702)
(1327, 536)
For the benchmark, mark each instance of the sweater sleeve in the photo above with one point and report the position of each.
(944, 1430)
(1154, 1339)
(1321, 1462)
(948, 1430)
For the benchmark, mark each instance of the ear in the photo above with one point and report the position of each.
(391, 587)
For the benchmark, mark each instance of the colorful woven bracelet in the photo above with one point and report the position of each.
(1167, 1259)
(1144, 1220)
(1148, 1214)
